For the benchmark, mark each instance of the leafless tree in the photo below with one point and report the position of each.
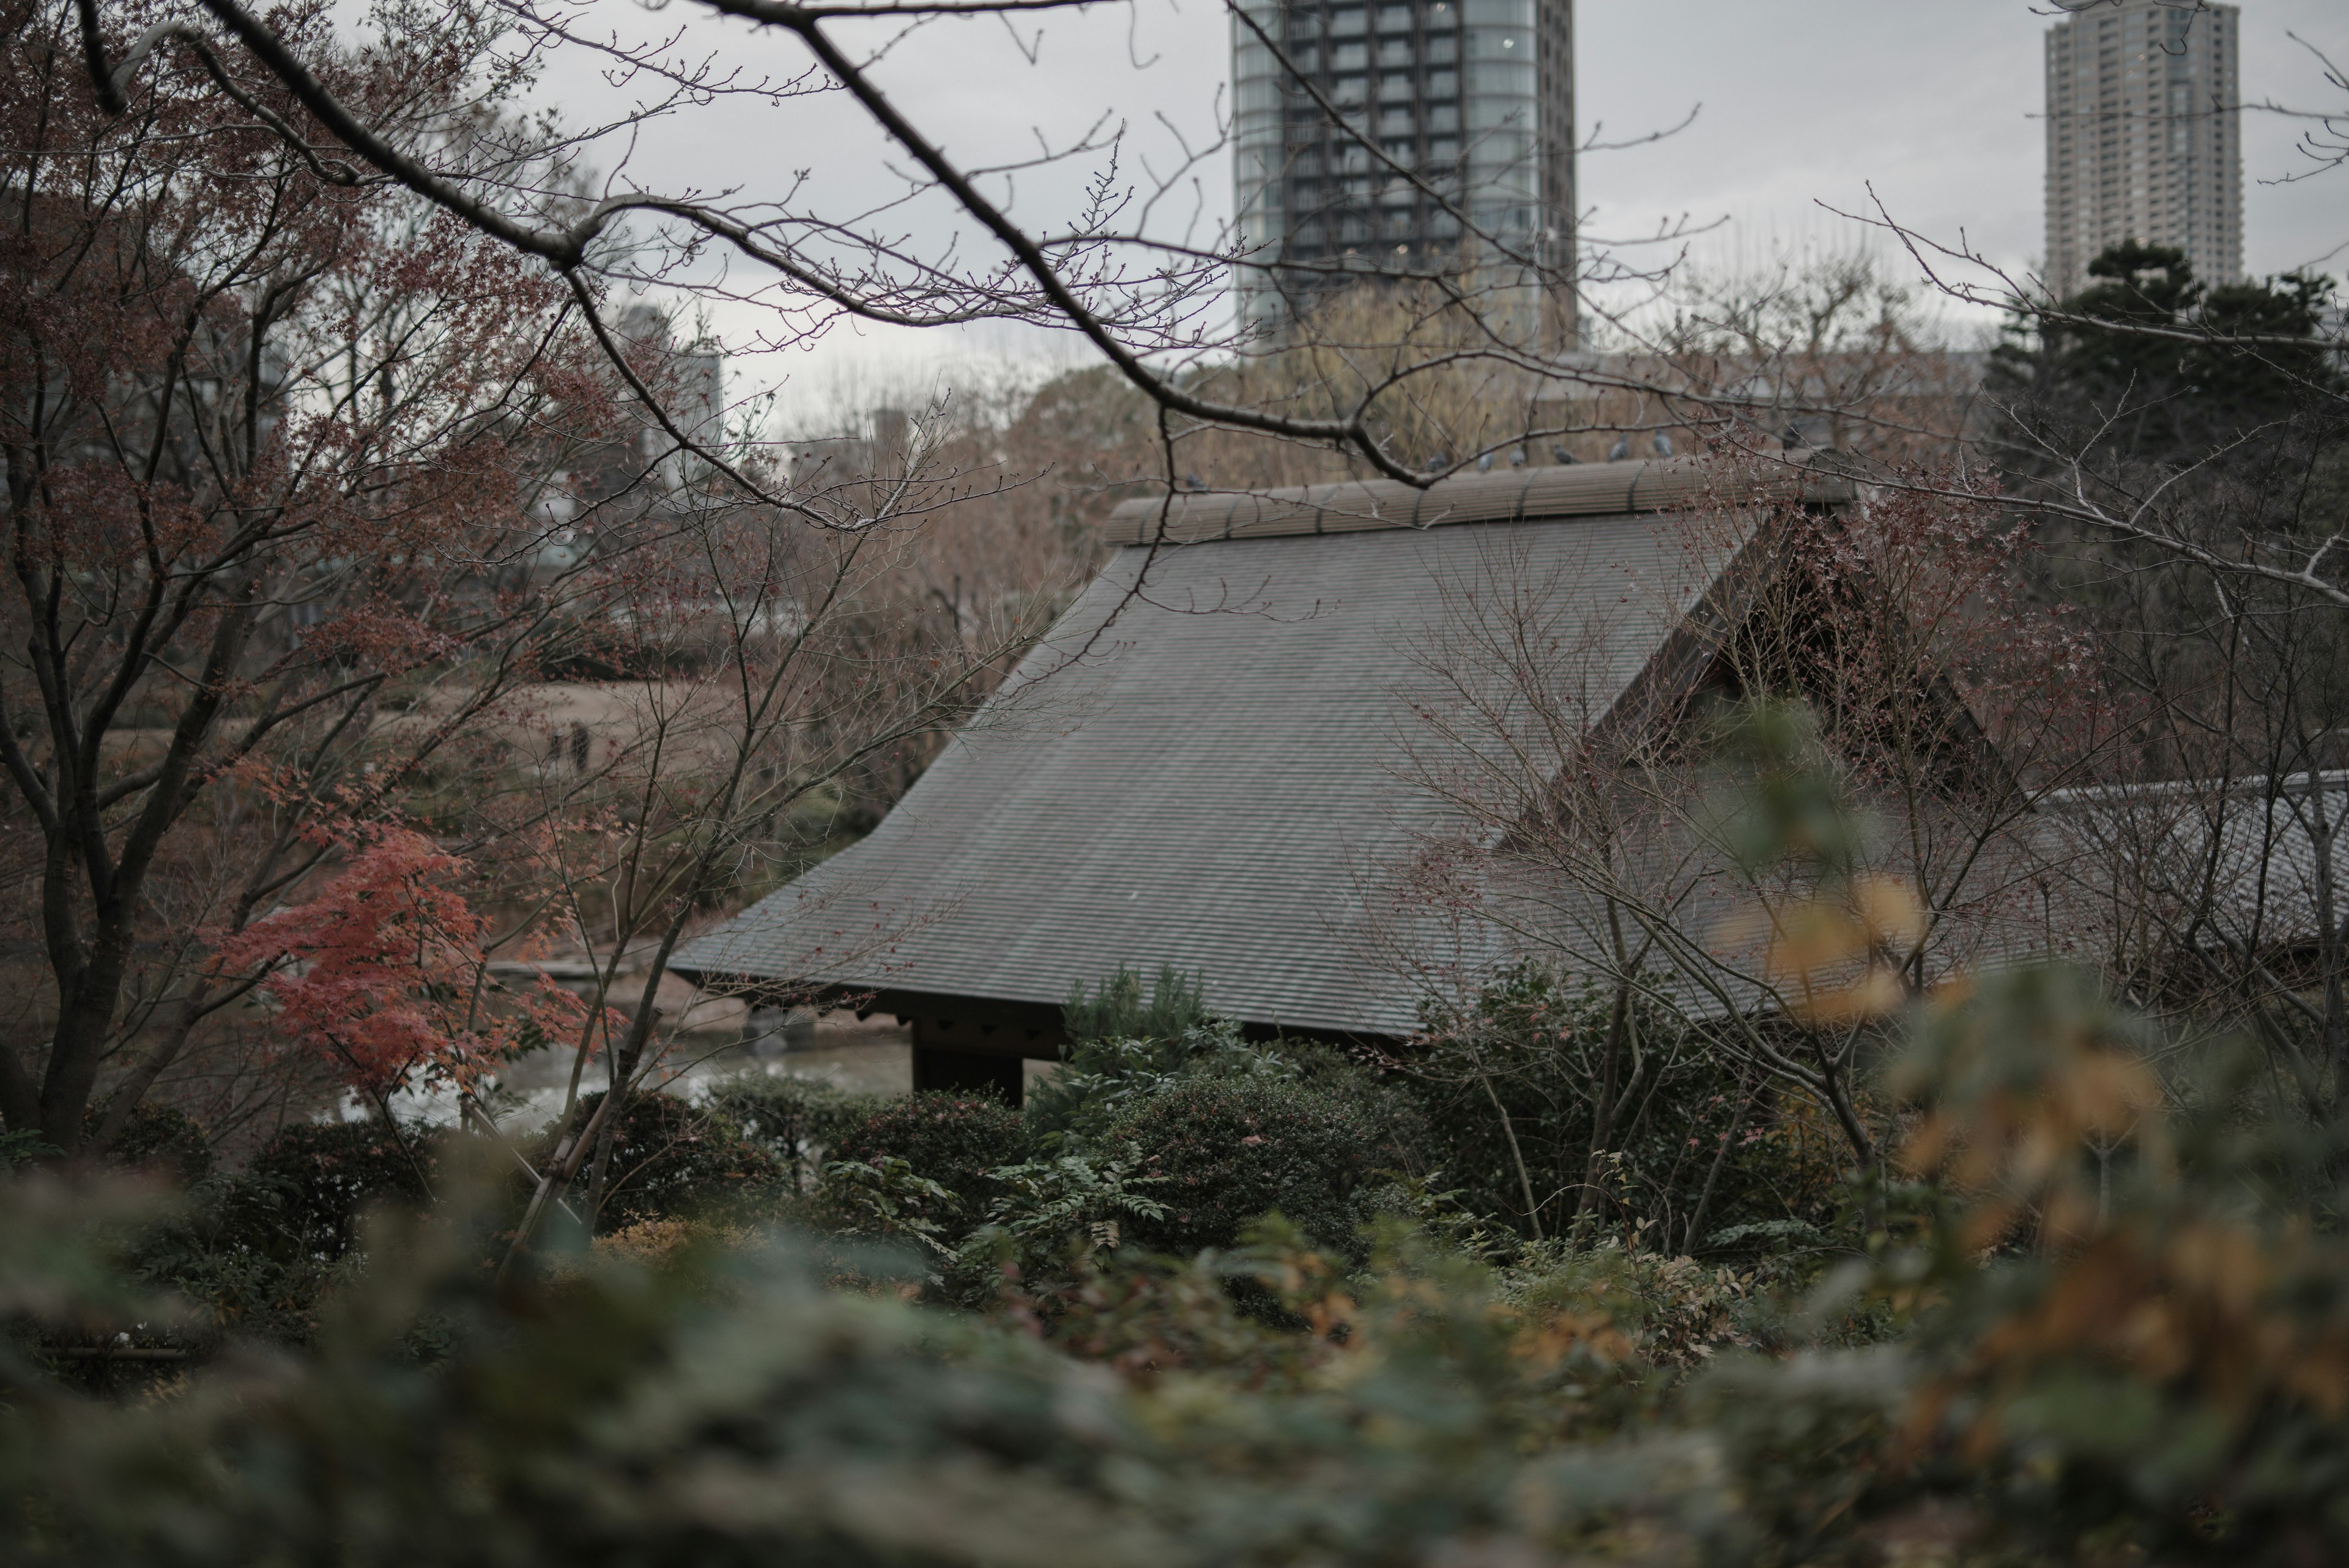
(781, 665)
(1142, 289)
(2211, 574)
(309, 486)
(1591, 830)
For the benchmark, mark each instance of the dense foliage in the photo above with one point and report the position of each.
(1216, 1300)
(2160, 365)
(1572, 1109)
(2088, 1323)
(331, 1171)
(1221, 1153)
(953, 1139)
(673, 1160)
(795, 1120)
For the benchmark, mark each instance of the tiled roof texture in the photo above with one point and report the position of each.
(1215, 783)
(2232, 864)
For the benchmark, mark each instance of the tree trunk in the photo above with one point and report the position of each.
(1602, 1113)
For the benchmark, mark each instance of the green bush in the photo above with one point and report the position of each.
(614, 1415)
(323, 1174)
(796, 1120)
(1402, 1140)
(256, 1251)
(952, 1140)
(2114, 1333)
(886, 1200)
(1115, 1010)
(1099, 1079)
(1228, 1150)
(1286, 1124)
(1119, 1052)
(1116, 1049)
(245, 1267)
(1691, 1160)
(1049, 1215)
(674, 1160)
(163, 1141)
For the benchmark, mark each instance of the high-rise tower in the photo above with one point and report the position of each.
(2144, 135)
(1476, 98)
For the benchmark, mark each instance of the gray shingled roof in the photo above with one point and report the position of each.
(2234, 864)
(1215, 781)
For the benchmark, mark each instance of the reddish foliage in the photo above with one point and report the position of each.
(383, 973)
(273, 442)
(1927, 640)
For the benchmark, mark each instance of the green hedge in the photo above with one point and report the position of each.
(797, 1120)
(1228, 1150)
(325, 1174)
(953, 1139)
(672, 1161)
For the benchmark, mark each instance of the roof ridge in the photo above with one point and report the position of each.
(1565, 490)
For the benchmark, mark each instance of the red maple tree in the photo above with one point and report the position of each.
(383, 974)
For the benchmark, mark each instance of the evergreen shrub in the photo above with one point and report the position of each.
(796, 1120)
(1692, 1159)
(1231, 1150)
(1114, 1010)
(953, 1139)
(325, 1174)
(162, 1141)
(675, 1160)
(257, 1251)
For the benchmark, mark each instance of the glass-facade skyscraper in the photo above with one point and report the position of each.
(1476, 98)
(2144, 135)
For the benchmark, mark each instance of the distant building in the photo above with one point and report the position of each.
(689, 379)
(1475, 98)
(623, 477)
(2144, 135)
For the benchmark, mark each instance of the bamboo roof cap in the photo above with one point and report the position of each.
(1517, 494)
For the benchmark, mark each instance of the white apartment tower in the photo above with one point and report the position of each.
(2144, 135)
(1471, 100)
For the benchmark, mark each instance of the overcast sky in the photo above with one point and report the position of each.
(1800, 103)
(1936, 105)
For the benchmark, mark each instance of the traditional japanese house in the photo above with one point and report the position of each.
(1201, 763)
